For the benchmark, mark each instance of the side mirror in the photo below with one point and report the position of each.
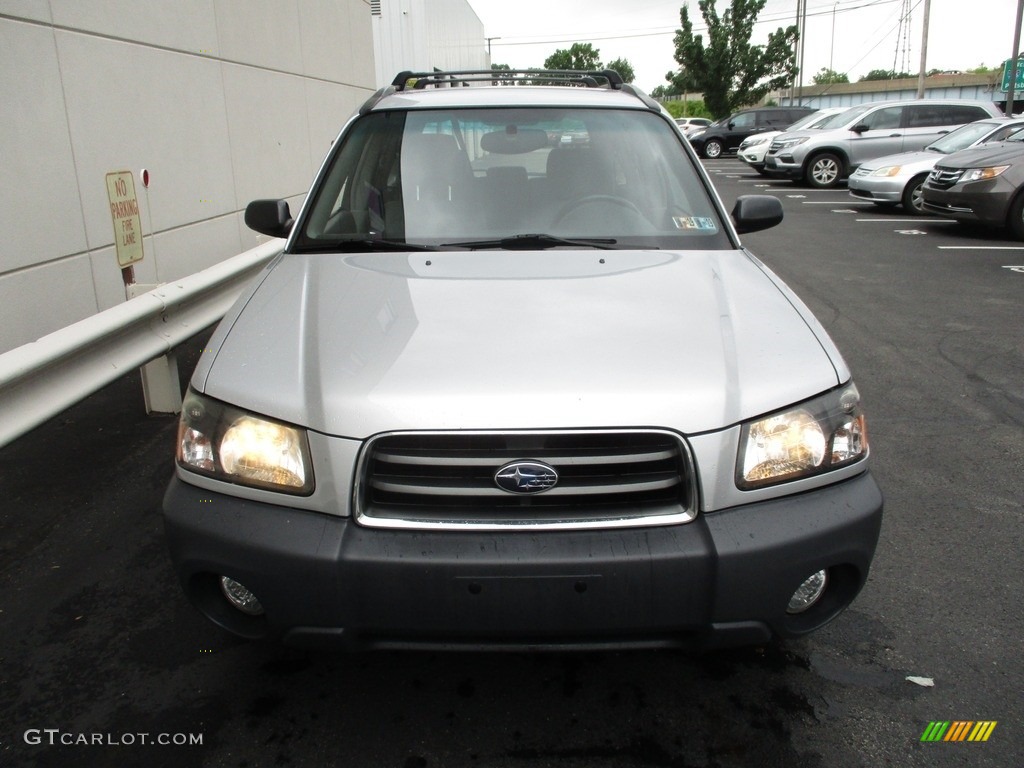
(860, 128)
(756, 212)
(269, 217)
(731, 125)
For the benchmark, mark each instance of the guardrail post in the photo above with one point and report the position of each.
(161, 388)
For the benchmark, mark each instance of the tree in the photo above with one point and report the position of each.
(623, 67)
(826, 75)
(664, 91)
(691, 108)
(885, 74)
(730, 71)
(502, 68)
(579, 56)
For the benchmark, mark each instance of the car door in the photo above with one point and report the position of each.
(739, 127)
(877, 133)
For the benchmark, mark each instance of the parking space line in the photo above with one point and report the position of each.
(910, 221)
(981, 247)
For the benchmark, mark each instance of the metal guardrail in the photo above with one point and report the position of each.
(40, 379)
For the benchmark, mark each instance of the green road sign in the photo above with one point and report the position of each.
(1019, 81)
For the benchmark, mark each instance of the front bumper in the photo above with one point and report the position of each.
(723, 579)
(783, 164)
(754, 156)
(985, 202)
(877, 189)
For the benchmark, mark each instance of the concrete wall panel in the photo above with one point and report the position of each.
(126, 112)
(41, 299)
(266, 113)
(182, 25)
(185, 250)
(40, 214)
(261, 33)
(36, 10)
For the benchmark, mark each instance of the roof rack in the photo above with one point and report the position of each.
(606, 78)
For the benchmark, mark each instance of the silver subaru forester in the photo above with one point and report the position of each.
(515, 383)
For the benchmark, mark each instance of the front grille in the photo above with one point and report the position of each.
(944, 178)
(605, 479)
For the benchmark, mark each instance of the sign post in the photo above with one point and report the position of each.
(160, 388)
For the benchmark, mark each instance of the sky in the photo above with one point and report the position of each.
(851, 36)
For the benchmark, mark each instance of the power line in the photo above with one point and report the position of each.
(658, 32)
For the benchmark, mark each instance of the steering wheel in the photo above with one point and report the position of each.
(621, 202)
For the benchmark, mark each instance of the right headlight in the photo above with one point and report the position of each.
(817, 436)
(221, 441)
(981, 174)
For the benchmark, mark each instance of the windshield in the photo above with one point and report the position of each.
(461, 177)
(966, 135)
(1016, 133)
(843, 118)
(810, 121)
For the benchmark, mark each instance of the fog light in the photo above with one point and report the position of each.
(240, 597)
(808, 593)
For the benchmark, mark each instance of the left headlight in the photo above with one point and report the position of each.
(817, 436)
(887, 170)
(221, 441)
(754, 141)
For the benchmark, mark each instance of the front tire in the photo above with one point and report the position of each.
(713, 149)
(913, 200)
(1015, 219)
(824, 171)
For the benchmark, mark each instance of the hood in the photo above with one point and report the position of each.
(1001, 153)
(909, 162)
(360, 344)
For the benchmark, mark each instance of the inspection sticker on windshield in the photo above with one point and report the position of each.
(694, 222)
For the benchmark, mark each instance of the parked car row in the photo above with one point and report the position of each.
(824, 156)
(899, 179)
(959, 159)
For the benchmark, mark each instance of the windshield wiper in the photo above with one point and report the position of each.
(360, 245)
(536, 241)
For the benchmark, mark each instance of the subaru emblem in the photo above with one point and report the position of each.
(526, 477)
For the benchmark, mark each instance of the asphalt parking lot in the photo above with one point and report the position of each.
(101, 657)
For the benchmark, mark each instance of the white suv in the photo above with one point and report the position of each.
(502, 390)
(826, 155)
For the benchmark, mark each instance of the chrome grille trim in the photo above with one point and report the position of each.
(944, 179)
(445, 480)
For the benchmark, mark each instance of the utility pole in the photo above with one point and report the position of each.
(924, 50)
(1014, 60)
(801, 20)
